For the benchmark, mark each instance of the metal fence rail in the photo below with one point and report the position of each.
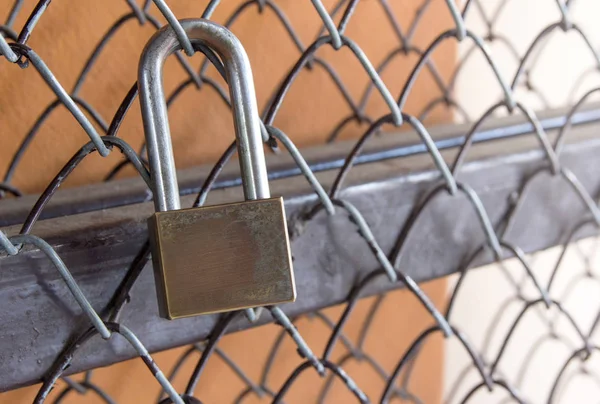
(356, 211)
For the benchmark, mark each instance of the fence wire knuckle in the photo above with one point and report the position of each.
(534, 295)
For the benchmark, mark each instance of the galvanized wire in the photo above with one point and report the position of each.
(14, 48)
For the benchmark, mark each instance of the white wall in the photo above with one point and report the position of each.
(562, 73)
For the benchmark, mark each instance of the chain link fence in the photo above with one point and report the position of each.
(544, 293)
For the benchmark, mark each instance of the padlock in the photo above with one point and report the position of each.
(216, 258)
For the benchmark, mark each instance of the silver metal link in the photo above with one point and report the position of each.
(243, 103)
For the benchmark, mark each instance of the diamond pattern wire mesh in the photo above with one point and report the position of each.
(546, 297)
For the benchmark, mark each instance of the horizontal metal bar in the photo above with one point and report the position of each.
(323, 158)
(504, 131)
(40, 315)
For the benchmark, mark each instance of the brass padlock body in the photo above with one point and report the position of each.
(221, 258)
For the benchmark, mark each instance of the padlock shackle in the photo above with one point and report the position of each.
(243, 103)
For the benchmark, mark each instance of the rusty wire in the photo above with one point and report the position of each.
(14, 48)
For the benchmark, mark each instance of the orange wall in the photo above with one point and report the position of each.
(201, 130)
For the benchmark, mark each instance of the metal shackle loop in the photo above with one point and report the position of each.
(243, 103)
